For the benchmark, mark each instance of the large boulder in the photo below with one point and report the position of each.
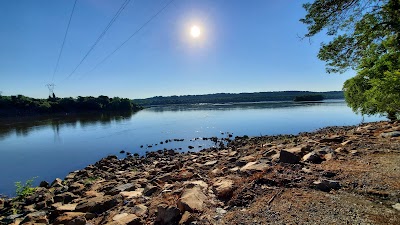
(223, 187)
(288, 157)
(192, 200)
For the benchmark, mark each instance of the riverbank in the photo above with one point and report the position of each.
(335, 175)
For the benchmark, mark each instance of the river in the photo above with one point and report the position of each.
(50, 147)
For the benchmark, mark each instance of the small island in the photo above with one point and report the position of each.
(309, 98)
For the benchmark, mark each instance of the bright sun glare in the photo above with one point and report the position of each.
(195, 31)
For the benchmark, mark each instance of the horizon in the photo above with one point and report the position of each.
(239, 47)
(166, 96)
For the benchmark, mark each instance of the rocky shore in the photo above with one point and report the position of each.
(336, 175)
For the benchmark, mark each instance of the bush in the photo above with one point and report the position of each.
(24, 190)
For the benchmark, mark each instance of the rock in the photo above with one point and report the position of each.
(199, 183)
(40, 195)
(65, 197)
(64, 208)
(328, 174)
(36, 217)
(326, 185)
(165, 177)
(223, 187)
(125, 218)
(57, 183)
(80, 220)
(97, 204)
(220, 211)
(312, 157)
(211, 163)
(328, 156)
(167, 215)
(254, 166)
(139, 210)
(391, 134)
(132, 194)
(234, 169)
(346, 142)
(248, 158)
(288, 157)
(184, 175)
(67, 217)
(298, 150)
(44, 184)
(192, 200)
(187, 218)
(269, 153)
(150, 189)
(120, 188)
(396, 206)
(76, 188)
(334, 138)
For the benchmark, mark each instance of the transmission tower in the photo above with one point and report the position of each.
(51, 89)
(1, 93)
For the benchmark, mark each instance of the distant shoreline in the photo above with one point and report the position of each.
(235, 98)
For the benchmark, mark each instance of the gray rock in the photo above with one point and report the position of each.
(327, 185)
(120, 188)
(167, 215)
(150, 189)
(391, 134)
(139, 210)
(396, 206)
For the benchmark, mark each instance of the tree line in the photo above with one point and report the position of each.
(238, 97)
(23, 105)
(365, 37)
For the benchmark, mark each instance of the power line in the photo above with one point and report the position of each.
(65, 37)
(130, 37)
(124, 4)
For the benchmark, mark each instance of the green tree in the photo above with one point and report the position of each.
(365, 38)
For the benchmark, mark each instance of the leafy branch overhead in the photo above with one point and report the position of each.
(365, 37)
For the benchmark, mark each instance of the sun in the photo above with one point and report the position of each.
(195, 31)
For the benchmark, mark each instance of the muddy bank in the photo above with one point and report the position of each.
(335, 175)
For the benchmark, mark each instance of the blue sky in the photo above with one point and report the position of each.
(244, 46)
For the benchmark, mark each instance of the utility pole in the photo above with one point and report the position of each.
(51, 90)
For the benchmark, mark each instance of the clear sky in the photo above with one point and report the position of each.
(244, 46)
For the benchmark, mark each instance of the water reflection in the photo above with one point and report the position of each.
(22, 127)
(241, 106)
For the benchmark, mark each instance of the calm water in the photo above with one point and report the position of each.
(53, 146)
